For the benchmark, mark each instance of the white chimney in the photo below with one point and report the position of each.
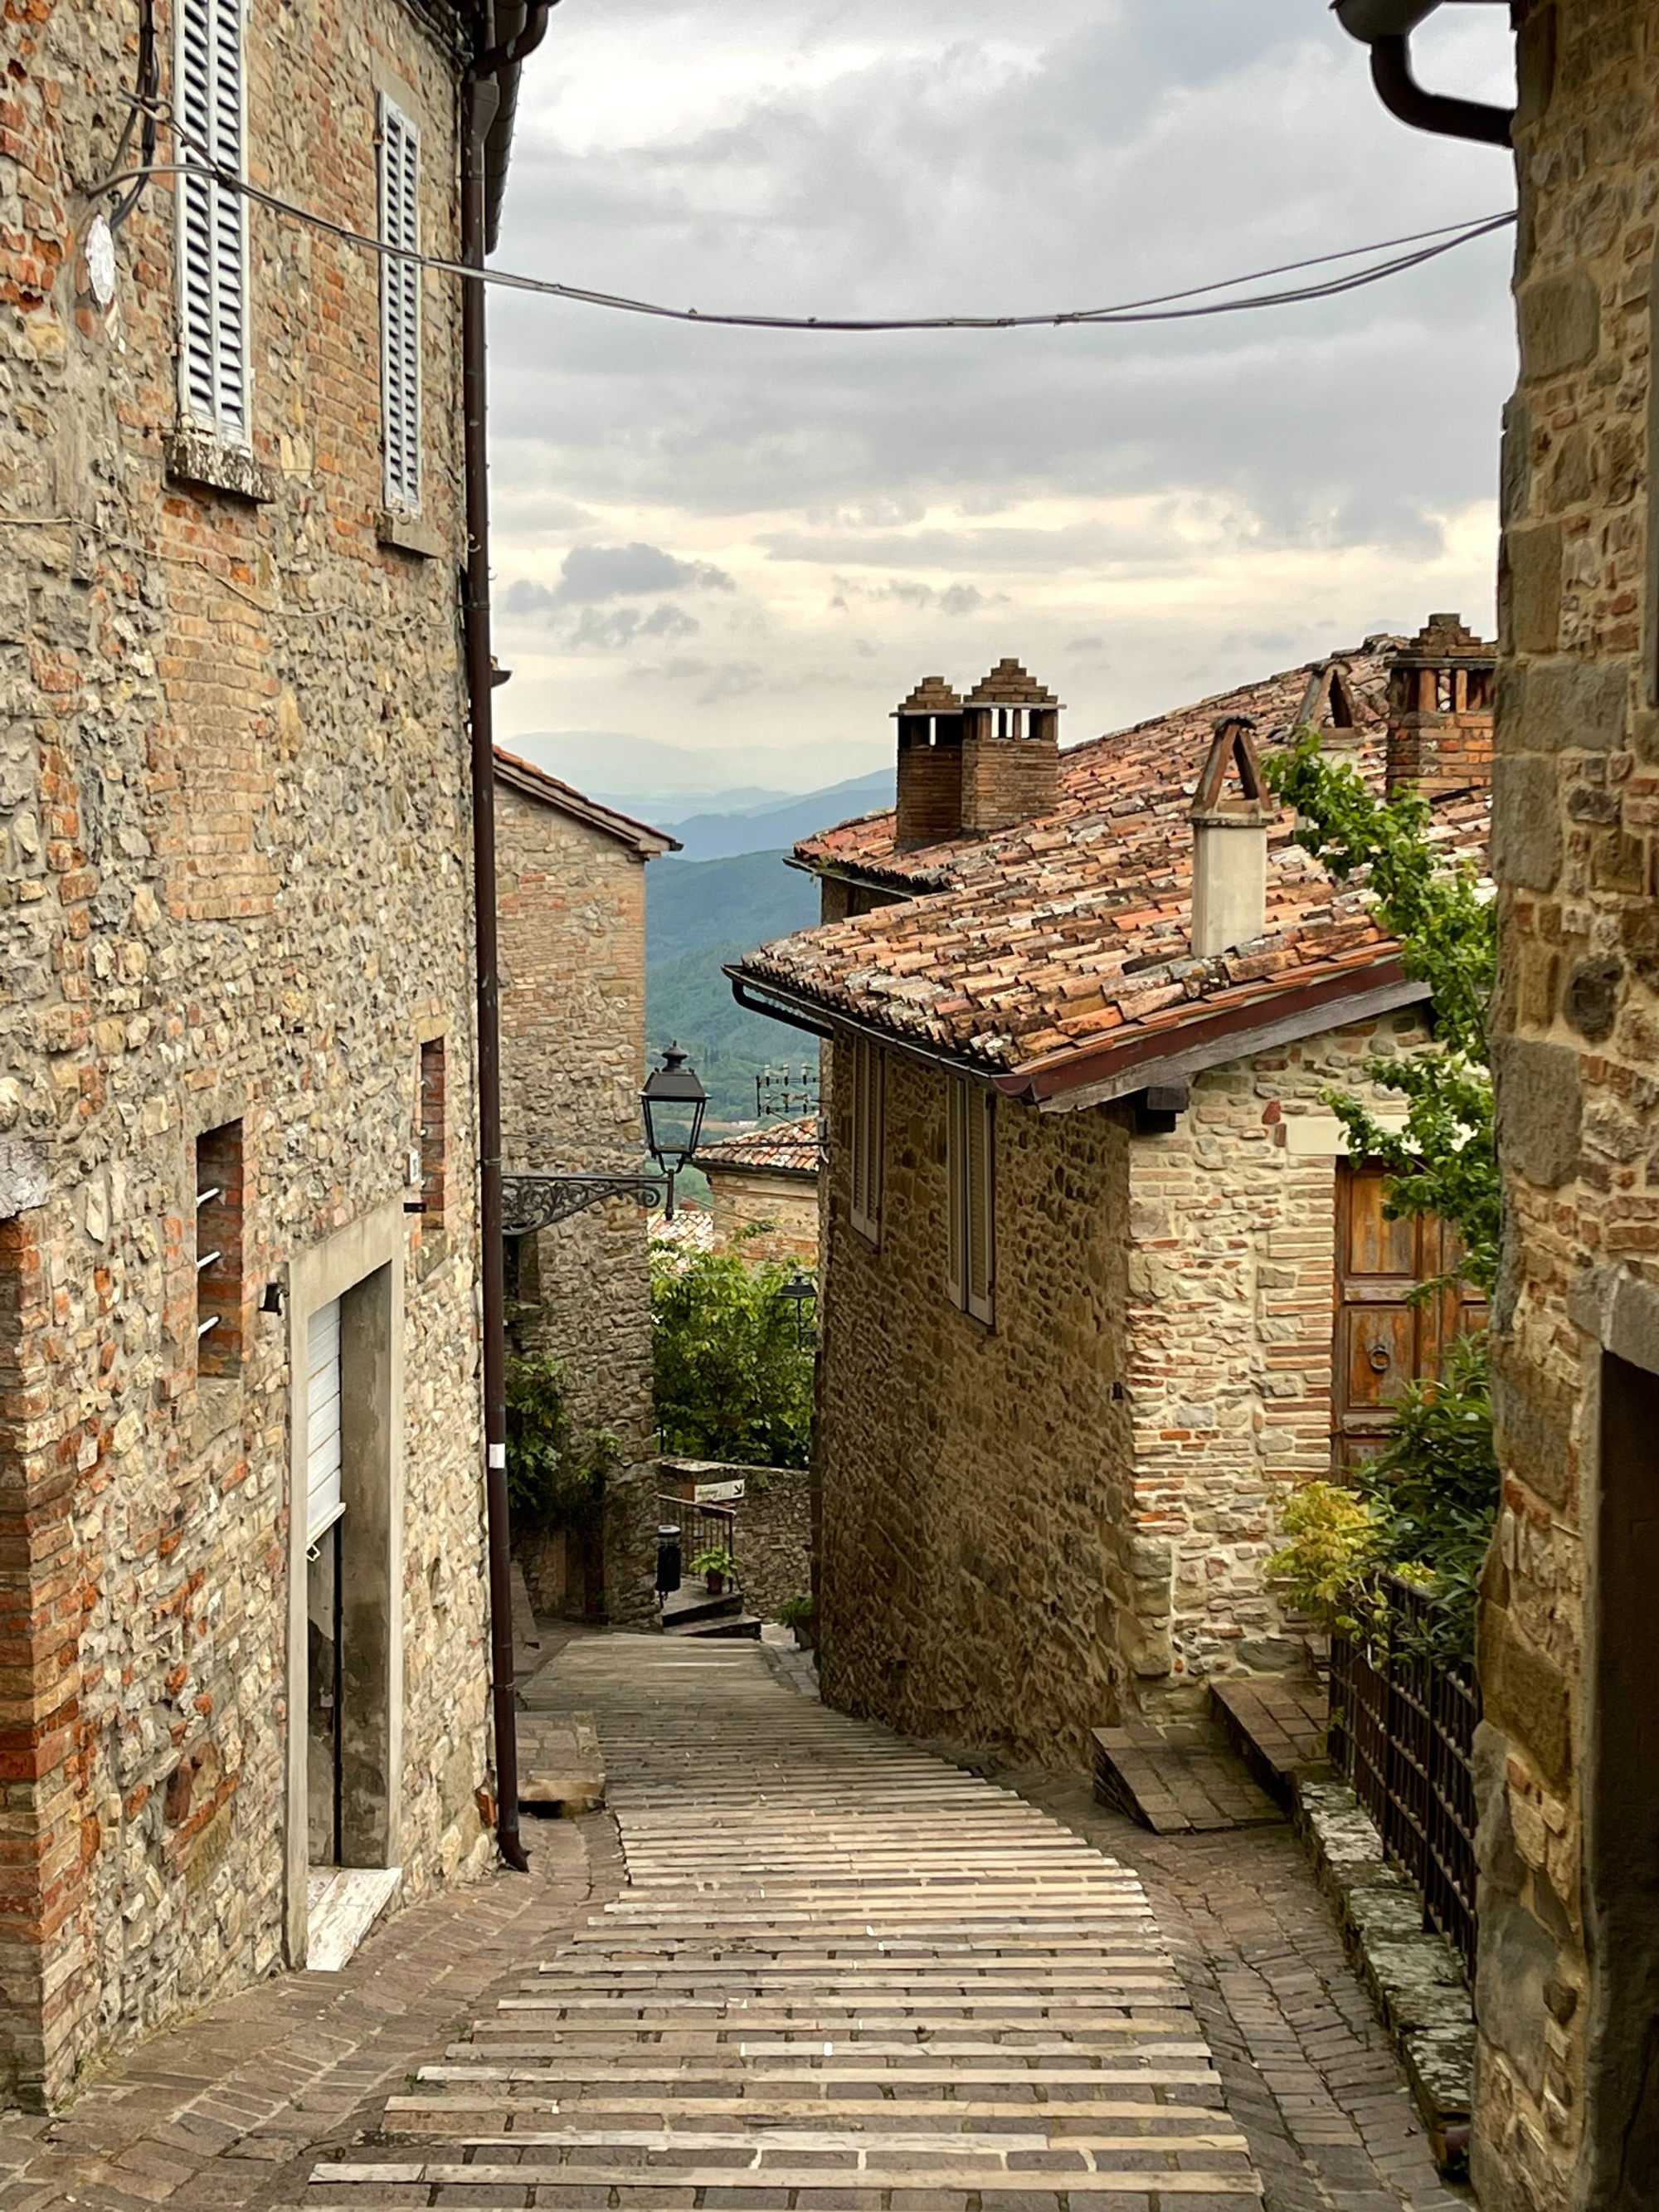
(1230, 821)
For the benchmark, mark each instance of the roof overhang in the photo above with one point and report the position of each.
(1065, 1083)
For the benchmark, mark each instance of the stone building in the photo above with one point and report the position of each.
(1088, 1215)
(242, 1544)
(764, 1191)
(1567, 2096)
(570, 898)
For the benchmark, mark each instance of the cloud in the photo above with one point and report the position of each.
(1188, 495)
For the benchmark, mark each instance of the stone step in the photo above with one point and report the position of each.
(1276, 1724)
(1077, 2175)
(1176, 1788)
(745, 1625)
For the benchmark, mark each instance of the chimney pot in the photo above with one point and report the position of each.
(1230, 818)
(1011, 751)
(1440, 710)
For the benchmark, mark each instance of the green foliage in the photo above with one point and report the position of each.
(734, 1381)
(796, 1613)
(713, 1559)
(1333, 1540)
(556, 1466)
(1445, 1161)
(1435, 1487)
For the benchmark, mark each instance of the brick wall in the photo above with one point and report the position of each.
(1576, 801)
(1028, 1530)
(232, 798)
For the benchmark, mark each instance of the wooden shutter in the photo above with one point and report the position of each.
(400, 307)
(980, 1203)
(956, 1191)
(212, 293)
(867, 1072)
(324, 1502)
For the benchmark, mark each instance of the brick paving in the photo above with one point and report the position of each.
(234, 2112)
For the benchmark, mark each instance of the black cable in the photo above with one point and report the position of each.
(149, 86)
(1158, 308)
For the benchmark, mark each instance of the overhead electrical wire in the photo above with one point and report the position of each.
(1159, 307)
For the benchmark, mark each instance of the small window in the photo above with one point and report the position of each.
(213, 289)
(867, 1073)
(970, 1209)
(433, 1140)
(400, 308)
(220, 1321)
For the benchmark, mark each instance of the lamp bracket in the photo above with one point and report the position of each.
(538, 1198)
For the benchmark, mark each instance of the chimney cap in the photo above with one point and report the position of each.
(1008, 685)
(933, 695)
(1233, 746)
(1331, 703)
(1442, 638)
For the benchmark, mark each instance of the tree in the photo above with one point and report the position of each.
(1431, 1493)
(733, 1380)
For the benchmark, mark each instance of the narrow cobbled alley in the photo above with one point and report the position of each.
(828, 1969)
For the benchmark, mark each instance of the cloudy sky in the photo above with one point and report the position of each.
(750, 544)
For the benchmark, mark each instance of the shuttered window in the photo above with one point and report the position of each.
(400, 307)
(324, 1502)
(213, 294)
(970, 1198)
(864, 1075)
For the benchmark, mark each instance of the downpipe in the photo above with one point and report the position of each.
(1386, 26)
(482, 102)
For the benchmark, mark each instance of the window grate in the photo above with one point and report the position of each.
(400, 307)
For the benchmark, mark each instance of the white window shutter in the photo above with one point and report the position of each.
(325, 1502)
(213, 287)
(400, 307)
(865, 1070)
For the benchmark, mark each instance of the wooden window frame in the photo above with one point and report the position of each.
(867, 1069)
(970, 1199)
(213, 305)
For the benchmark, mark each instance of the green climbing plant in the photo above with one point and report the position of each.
(557, 1466)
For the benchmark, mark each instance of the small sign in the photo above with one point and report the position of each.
(717, 1493)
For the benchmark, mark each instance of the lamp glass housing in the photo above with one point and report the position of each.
(674, 1103)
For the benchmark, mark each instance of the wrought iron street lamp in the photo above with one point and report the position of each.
(673, 1102)
(802, 1293)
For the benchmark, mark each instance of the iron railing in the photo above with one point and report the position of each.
(702, 1529)
(1402, 1733)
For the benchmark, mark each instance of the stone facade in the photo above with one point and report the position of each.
(570, 892)
(1565, 2096)
(233, 792)
(1034, 1528)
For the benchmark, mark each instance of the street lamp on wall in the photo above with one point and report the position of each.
(802, 1291)
(673, 1102)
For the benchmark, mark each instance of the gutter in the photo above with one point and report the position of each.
(1386, 26)
(779, 1004)
(1067, 1082)
(491, 85)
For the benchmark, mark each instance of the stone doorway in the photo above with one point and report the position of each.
(1383, 1340)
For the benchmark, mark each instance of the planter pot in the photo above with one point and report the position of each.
(714, 1585)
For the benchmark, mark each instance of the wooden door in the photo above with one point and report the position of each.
(1382, 1342)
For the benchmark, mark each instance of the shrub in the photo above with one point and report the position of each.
(556, 1466)
(734, 1381)
(1333, 1540)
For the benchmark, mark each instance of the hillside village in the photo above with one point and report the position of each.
(1012, 1572)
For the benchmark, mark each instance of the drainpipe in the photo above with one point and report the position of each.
(488, 84)
(1386, 26)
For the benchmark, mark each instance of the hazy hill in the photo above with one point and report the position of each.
(770, 825)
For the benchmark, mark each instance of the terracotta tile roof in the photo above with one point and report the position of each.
(535, 783)
(1062, 933)
(776, 1147)
(692, 1229)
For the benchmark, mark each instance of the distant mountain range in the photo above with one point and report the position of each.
(717, 902)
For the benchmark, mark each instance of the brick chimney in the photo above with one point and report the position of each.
(1230, 817)
(929, 764)
(1332, 706)
(1440, 709)
(1009, 750)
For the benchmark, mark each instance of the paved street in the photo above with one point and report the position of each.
(838, 1966)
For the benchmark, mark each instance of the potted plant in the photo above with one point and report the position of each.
(795, 1613)
(715, 1564)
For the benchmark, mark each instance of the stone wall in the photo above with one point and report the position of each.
(1569, 1951)
(781, 1210)
(232, 798)
(1233, 1261)
(1030, 1530)
(773, 1532)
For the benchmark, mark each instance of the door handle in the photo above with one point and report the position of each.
(1380, 1358)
